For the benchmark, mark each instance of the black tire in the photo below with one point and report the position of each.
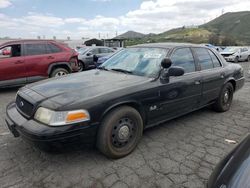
(59, 72)
(248, 58)
(81, 66)
(223, 103)
(120, 132)
(236, 60)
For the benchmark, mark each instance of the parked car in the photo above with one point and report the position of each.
(236, 54)
(88, 56)
(33, 60)
(101, 60)
(234, 170)
(137, 88)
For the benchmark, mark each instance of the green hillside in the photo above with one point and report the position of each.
(228, 29)
(234, 24)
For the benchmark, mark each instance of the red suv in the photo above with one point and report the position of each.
(33, 60)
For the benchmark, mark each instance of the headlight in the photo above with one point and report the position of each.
(54, 118)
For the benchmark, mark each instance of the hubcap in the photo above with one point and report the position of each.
(60, 73)
(123, 132)
(226, 97)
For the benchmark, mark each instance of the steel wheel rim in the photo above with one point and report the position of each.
(123, 132)
(227, 97)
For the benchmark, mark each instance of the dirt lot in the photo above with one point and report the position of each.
(179, 153)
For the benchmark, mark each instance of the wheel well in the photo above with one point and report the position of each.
(82, 63)
(130, 104)
(233, 82)
(60, 66)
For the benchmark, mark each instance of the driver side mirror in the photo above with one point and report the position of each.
(170, 71)
(166, 63)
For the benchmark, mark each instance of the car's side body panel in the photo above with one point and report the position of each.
(157, 100)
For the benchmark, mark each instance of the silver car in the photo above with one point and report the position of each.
(236, 54)
(88, 56)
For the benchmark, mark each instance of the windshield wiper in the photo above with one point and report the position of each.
(122, 70)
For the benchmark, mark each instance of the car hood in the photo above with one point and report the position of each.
(84, 86)
(227, 53)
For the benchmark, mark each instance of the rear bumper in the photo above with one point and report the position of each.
(36, 132)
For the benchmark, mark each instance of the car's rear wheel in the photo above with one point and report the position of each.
(59, 72)
(81, 66)
(236, 60)
(120, 132)
(223, 103)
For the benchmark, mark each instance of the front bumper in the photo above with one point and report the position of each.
(36, 132)
(230, 59)
(240, 83)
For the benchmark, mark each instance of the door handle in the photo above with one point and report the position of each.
(50, 57)
(19, 62)
(198, 82)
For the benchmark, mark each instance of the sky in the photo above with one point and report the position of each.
(106, 18)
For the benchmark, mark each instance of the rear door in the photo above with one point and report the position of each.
(37, 60)
(12, 65)
(213, 75)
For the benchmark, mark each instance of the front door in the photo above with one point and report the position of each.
(12, 65)
(181, 94)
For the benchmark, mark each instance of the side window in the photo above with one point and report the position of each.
(94, 51)
(105, 50)
(183, 58)
(204, 58)
(10, 51)
(35, 49)
(215, 60)
(51, 48)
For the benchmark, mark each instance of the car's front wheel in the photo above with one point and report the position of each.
(248, 58)
(223, 103)
(236, 60)
(120, 132)
(81, 66)
(59, 72)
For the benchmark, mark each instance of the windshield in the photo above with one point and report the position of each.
(231, 49)
(82, 50)
(137, 61)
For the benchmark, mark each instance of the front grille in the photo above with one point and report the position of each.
(226, 55)
(24, 106)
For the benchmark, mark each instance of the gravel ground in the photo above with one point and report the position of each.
(179, 153)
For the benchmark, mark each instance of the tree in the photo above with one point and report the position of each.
(228, 41)
(214, 39)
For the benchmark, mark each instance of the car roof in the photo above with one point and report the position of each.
(26, 40)
(168, 45)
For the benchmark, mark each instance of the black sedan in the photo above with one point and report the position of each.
(234, 170)
(137, 88)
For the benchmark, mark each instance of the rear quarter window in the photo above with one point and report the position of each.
(204, 58)
(52, 48)
(215, 60)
